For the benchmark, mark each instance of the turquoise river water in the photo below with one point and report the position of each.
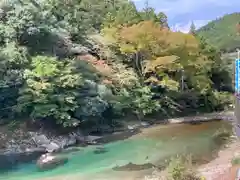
(152, 145)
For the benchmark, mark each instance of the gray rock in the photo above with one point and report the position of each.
(52, 147)
(13, 148)
(71, 140)
(37, 149)
(65, 141)
(81, 138)
(55, 143)
(133, 127)
(130, 127)
(145, 124)
(92, 139)
(41, 139)
(47, 162)
(78, 135)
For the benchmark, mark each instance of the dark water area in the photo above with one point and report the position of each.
(145, 150)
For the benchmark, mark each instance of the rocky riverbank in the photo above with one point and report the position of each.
(21, 145)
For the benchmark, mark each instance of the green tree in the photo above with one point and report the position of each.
(49, 91)
(125, 14)
(192, 29)
(79, 61)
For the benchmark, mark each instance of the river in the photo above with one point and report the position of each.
(152, 145)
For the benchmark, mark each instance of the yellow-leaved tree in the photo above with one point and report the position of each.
(145, 43)
(159, 55)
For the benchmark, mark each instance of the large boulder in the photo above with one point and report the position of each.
(55, 143)
(48, 161)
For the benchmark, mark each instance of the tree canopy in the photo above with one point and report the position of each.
(77, 61)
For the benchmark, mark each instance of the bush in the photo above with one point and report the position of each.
(181, 168)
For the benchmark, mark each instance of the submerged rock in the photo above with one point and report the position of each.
(100, 150)
(134, 167)
(48, 161)
(71, 150)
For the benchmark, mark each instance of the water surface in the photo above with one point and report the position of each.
(153, 145)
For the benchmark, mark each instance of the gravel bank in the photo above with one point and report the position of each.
(221, 168)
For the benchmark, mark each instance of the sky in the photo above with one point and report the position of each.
(182, 12)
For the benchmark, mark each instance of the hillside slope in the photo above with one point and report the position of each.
(222, 32)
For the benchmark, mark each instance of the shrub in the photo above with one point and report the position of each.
(181, 168)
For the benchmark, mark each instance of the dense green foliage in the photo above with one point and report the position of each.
(93, 61)
(223, 32)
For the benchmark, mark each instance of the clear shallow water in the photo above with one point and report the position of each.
(152, 145)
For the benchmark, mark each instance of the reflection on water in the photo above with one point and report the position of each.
(151, 147)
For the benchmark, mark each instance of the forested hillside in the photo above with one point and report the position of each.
(78, 61)
(223, 32)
